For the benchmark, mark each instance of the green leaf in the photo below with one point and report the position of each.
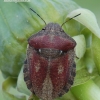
(1, 81)
(82, 76)
(89, 62)
(21, 85)
(86, 91)
(96, 51)
(97, 81)
(88, 19)
(81, 45)
(85, 68)
(9, 90)
(67, 96)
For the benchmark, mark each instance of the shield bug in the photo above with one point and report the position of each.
(49, 69)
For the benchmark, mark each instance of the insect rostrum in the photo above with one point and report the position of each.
(49, 69)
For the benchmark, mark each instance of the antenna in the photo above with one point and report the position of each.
(70, 19)
(39, 16)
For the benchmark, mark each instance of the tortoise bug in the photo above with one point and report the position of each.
(49, 69)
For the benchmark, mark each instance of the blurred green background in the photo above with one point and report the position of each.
(93, 5)
(17, 24)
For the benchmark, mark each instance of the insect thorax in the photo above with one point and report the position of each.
(50, 52)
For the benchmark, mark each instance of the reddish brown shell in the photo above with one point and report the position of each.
(49, 69)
